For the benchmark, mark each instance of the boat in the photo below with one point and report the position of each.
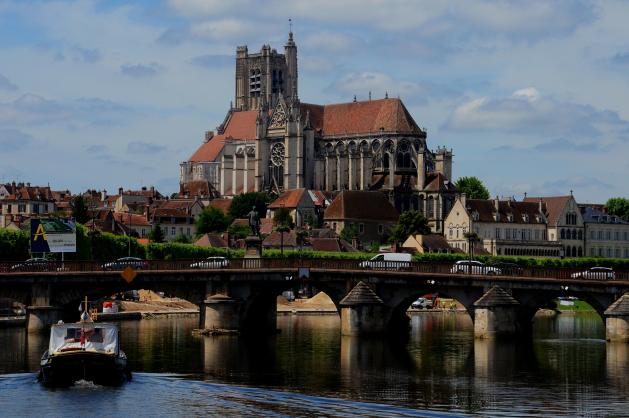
(84, 350)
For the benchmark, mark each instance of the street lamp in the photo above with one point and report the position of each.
(129, 233)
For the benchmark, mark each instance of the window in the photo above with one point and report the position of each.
(580, 234)
(563, 234)
(143, 232)
(609, 252)
(361, 228)
(617, 252)
(592, 234)
(497, 233)
(450, 233)
(21, 208)
(608, 235)
(600, 235)
(381, 229)
(188, 231)
(173, 231)
(9, 208)
(536, 235)
(617, 235)
(592, 252)
(35, 208)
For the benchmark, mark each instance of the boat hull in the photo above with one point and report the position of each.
(99, 368)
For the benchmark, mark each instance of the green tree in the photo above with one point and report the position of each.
(79, 209)
(242, 204)
(349, 233)
(239, 231)
(473, 187)
(212, 220)
(282, 218)
(411, 222)
(618, 206)
(156, 234)
(182, 239)
(472, 239)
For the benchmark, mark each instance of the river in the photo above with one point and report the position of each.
(309, 369)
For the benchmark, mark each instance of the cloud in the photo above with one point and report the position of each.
(565, 145)
(6, 84)
(89, 56)
(31, 109)
(564, 185)
(13, 140)
(213, 61)
(330, 41)
(379, 84)
(526, 111)
(621, 59)
(97, 149)
(141, 70)
(139, 147)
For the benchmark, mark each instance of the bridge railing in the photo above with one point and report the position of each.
(324, 264)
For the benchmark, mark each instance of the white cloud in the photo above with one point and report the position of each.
(141, 70)
(526, 111)
(320, 42)
(6, 84)
(221, 29)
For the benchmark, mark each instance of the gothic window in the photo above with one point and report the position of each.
(580, 235)
(375, 145)
(385, 161)
(431, 207)
(563, 234)
(277, 154)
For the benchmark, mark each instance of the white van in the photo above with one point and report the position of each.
(388, 261)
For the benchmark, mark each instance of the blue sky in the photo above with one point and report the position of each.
(532, 96)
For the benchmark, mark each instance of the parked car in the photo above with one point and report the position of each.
(34, 264)
(124, 262)
(509, 269)
(211, 263)
(605, 273)
(474, 267)
(387, 261)
(422, 303)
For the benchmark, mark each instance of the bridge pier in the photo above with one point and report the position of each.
(362, 312)
(40, 318)
(617, 320)
(220, 312)
(497, 314)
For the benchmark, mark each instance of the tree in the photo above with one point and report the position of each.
(282, 218)
(618, 206)
(472, 187)
(156, 234)
(183, 239)
(212, 220)
(79, 209)
(239, 231)
(242, 204)
(411, 222)
(349, 233)
(472, 239)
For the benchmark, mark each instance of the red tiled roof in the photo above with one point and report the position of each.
(240, 126)
(274, 240)
(554, 205)
(201, 188)
(372, 116)
(288, 199)
(31, 193)
(438, 182)
(136, 220)
(222, 204)
(211, 240)
(325, 244)
(266, 226)
(372, 206)
(486, 211)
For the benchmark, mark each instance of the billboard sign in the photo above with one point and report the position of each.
(53, 235)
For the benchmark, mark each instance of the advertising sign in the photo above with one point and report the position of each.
(53, 235)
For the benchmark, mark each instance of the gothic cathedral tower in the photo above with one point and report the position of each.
(262, 78)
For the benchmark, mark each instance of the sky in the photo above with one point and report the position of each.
(533, 97)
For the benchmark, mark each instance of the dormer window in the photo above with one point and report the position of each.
(509, 218)
(475, 216)
(525, 218)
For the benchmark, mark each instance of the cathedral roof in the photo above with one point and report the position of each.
(289, 199)
(361, 205)
(438, 182)
(240, 125)
(371, 116)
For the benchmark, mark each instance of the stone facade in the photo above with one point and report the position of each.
(271, 141)
(505, 227)
(605, 235)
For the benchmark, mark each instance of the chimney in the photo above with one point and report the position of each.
(143, 188)
(147, 213)
(497, 204)
(539, 206)
(463, 199)
(103, 195)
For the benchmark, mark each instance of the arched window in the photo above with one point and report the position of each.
(580, 234)
(574, 234)
(431, 207)
(563, 234)
(385, 160)
(580, 252)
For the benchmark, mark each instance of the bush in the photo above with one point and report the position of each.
(14, 245)
(178, 251)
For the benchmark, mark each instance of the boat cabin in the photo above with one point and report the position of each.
(99, 338)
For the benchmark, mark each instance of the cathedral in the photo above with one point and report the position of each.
(271, 141)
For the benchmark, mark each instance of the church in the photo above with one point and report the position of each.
(272, 141)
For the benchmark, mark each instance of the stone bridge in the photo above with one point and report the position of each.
(242, 296)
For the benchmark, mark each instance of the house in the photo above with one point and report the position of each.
(370, 213)
(278, 240)
(604, 235)
(176, 217)
(504, 227)
(300, 204)
(134, 224)
(212, 240)
(431, 243)
(135, 200)
(24, 201)
(565, 223)
(331, 245)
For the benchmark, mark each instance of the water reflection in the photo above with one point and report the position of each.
(564, 370)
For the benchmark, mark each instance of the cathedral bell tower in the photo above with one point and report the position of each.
(263, 77)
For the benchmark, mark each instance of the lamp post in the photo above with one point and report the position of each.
(129, 232)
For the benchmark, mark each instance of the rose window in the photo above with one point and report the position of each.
(277, 154)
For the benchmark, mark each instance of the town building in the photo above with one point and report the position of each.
(370, 214)
(176, 217)
(23, 201)
(565, 224)
(605, 235)
(271, 141)
(504, 227)
(300, 204)
(424, 244)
